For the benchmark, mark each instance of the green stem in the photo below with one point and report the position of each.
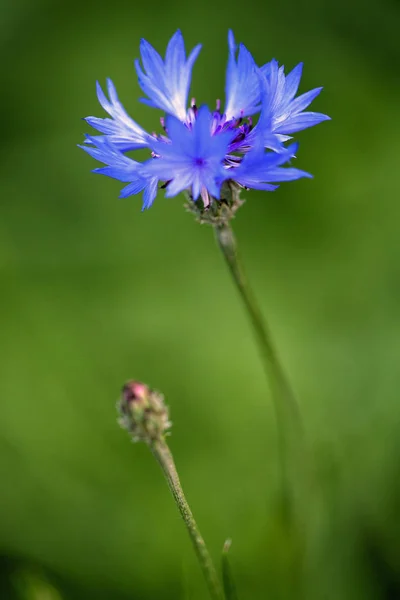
(165, 459)
(290, 429)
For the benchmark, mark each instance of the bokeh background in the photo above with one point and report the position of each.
(94, 292)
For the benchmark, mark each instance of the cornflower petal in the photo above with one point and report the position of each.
(121, 130)
(167, 83)
(301, 102)
(282, 113)
(121, 167)
(293, 82)
(149, 191)
(265, 127)
(242, 88)
(183, 180)
(260, 169)
(301, 121)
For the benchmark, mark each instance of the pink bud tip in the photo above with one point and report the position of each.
(134, 390)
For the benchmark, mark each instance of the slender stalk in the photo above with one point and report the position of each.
(165, 459)
(291, 439)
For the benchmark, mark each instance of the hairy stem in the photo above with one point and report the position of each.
(165, 459)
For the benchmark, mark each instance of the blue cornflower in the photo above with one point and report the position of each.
(199, 149)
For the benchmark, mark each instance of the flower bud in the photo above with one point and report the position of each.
(143, 412)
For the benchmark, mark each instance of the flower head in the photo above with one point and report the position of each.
(198, 149)
(143, 412)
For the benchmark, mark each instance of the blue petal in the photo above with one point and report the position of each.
(167, 83)
(121, 167)
(274, 87)
(301, 121)
(121, 130)
(242, 88)
(293, 82)
(100, 148)
(164, 168)
(287, 174)
(264, 129)
(150, 193)
(259, 169)
(133, 188)
(213, 184)
(182, 180)
(258, 185)
(181, 137)
(301, 102)
(207, 145)
(281, 113)
(149, 188)
(120, 173)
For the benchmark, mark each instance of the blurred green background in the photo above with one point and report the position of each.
(94, 292)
